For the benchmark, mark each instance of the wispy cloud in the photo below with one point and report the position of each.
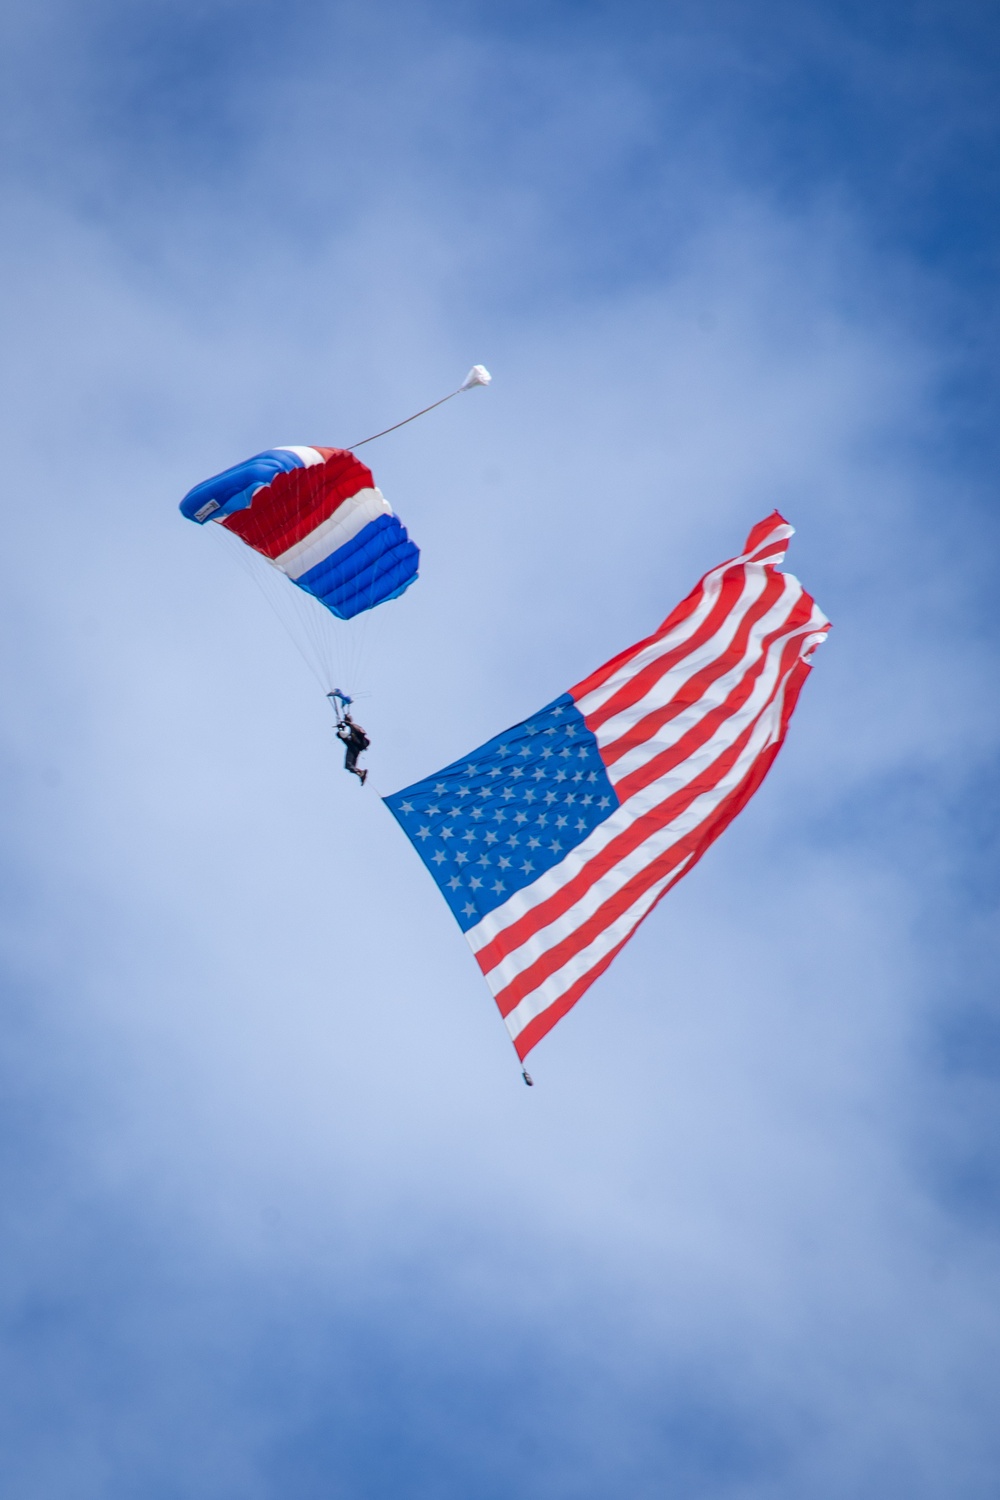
(279, 1216)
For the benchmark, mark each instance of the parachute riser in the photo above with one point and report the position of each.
(340, 703)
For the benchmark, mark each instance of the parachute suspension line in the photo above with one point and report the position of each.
(259, 569)
(478, 375)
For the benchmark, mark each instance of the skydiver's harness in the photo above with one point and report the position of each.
(350, 734)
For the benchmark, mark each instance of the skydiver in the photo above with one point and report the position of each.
(355, 740)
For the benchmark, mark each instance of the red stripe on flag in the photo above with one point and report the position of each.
(693, 689)
(532, 1034)
(634, 834)
(733, 586)
(660, 765)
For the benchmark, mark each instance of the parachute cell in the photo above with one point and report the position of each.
(316, 514)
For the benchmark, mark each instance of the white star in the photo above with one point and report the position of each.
(550, 797)
(468, 837)
(534, 843)
(500, 815)
(604, 802)
(527, 867)
(569, 798)
(570, 729)
(520, 817)
(555, 846)
(560, 822)
(447, 833)
(582, 752)
(517, 770)
(496, 771)
(454, 882)
(592, 776)
(464, 791)
(423, 832)
(542, 820)
(547, 752)
(483, 860)
(565, 753)
(440, 788)
(560, 776)
(498, 885)
(581, 823)
(406, 807)
(549, 731)
(470, 769)
(477, 812)
(475, 883)
(524, 750)
(438, 857)
(560, 710)
(486, 791)
(507, 793)
(503, 750)
(586, 801)
(529, 795)
(577, 776)
(513, 841)
(461, 857)
(491, 837)
(468, 910)
(434, 809)
(504, 862)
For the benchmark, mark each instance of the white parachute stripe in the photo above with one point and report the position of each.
(580, 964)
(715, 695)
(309, 456)
(645, 800)
(350, 517)
(698, 812)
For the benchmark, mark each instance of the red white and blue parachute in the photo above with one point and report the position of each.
(317, 514)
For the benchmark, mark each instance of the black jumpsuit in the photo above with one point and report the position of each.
(355, 740)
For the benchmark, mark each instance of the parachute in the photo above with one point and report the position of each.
(317, 515)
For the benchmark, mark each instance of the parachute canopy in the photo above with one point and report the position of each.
(317, 515)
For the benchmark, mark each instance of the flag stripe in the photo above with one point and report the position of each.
(681, 692)
(580, 819)
(659, 858)
(664, 805)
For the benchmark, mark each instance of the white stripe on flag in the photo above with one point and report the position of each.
(580, 964)
(697, 813)
(646, 800)
(671, 683)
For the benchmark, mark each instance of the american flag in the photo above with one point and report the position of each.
(554, 840)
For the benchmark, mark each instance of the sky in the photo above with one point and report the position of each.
(279, 1218)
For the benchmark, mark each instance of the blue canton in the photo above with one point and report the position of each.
(494, 822)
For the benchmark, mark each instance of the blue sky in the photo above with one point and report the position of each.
(279, 1217)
